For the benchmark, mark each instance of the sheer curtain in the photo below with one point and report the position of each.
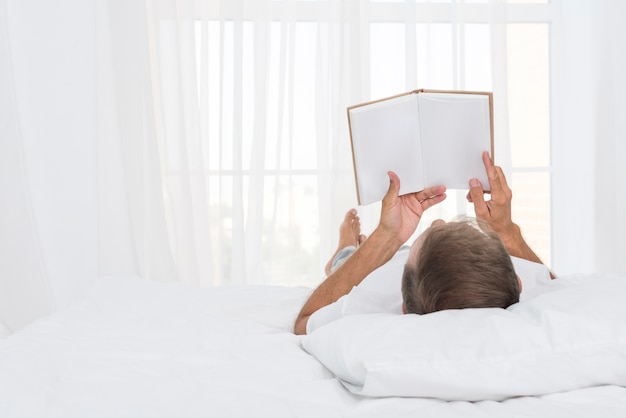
(232, 122)
(25, 292)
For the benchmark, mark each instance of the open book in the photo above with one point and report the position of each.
(427, 137)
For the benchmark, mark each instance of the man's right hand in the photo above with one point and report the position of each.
(400, 215)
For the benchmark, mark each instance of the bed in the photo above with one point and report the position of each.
(142, 349)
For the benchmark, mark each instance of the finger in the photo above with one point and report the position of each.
(504, 195)
(477, 197)
(429, 192)
(503, 182)
(432, 201)
(468, 196)
(493, 176)
(487, 161)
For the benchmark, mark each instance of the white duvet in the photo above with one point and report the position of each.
(139, 349)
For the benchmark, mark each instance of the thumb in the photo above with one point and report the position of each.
(394, 185)
(476, 195)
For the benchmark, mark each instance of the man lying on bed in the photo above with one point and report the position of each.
(449, 266)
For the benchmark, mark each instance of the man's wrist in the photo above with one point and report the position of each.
(385, 241)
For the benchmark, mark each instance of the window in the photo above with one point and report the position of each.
(529, 123)
(459, 56)
(271, 128)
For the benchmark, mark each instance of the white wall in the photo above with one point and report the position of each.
(588, 151)
(573, 139)
(52, 46)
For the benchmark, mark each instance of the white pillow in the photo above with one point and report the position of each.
(569, 338)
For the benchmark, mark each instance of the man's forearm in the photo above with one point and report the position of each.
(373, 253)
(518, 247)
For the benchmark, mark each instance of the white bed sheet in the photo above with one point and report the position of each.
(142, 349)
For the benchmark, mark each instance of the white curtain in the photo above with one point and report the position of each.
(25, 292)
(48, 169)
(233, 129)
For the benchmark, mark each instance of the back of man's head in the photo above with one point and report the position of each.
(460, 265)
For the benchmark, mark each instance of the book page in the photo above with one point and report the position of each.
(385, 137)
(455, 130)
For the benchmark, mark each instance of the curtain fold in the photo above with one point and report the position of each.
(25, 292)
(137, 110)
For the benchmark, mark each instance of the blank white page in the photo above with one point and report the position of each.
(455, 130)
(385, 137)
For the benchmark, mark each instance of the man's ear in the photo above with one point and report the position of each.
(403, 309)
(519, 282)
